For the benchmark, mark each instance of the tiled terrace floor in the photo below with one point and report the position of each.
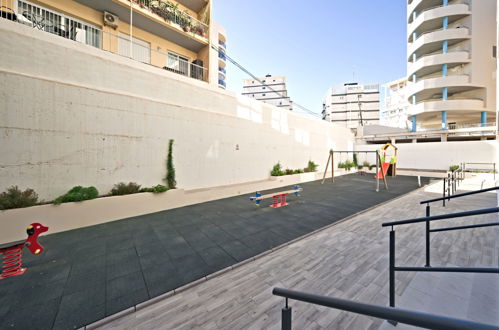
(89, 273)
(348, 260)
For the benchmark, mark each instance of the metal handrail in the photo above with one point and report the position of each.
(442, 217)
(459, 195)
(428, 268)
(393, 314)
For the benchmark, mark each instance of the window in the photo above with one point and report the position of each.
(263, 94)
(177, 63)
(62, 25)
(263, 87)
(141, 50)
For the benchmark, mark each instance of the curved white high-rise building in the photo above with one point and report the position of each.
(451, 63)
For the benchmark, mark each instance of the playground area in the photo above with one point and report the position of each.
(87, 274)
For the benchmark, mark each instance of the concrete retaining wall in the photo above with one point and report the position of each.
(72, 114)
(441, 155)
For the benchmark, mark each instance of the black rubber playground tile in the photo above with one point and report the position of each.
(89, 273)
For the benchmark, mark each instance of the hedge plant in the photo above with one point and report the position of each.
(125, 188)
(77, 194)
(14, 198)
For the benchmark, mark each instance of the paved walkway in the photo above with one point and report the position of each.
(87, 274)
(348, 260)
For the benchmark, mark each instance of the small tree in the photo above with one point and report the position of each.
(170, 169)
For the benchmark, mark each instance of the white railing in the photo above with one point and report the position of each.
(67, 27)
(56, 23)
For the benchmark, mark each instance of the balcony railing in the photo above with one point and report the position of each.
(222, 55)
(170, 12)
(222, 70)
(222, 82)
(67, 27)
(221, 43)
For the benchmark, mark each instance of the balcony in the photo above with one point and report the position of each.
(428, 88)
(432, 41)
(70, 28)
(222, 44)
(421, 5)
(221, 59)
(429, 64)
(222, 70)
(432, 18)
(195, 5)
(222, 83)
(160, 18)
(462, 105)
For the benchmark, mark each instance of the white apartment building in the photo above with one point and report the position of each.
(271, 90)
(394, 104)
(451, 63)
(352, 105)
(219, 36)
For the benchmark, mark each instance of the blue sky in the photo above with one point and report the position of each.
(314, 43)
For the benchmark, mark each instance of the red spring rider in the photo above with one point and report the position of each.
(12, 255)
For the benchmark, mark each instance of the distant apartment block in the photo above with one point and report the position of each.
(394, 104)
(168, 34)
(451, 63)
(271, 90)
(352, 105)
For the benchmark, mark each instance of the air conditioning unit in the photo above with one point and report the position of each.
(111, 20)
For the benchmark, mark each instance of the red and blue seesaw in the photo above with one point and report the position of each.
(278, 198)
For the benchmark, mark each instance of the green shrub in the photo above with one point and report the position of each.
(311, 167)
(348, 165)
(341, 165)
(159, 188)
(453, 168)
(156, 189)
(77, 194)
(170, 169)
(289, 171)
(298, 171)
(14, 198)
(366, 164)
(277, 170)
(355, 160)
(359, 167)
(125, 188)
(372, 166)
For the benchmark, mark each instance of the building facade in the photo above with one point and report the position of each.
(394, 104)
(352, 105)
(174, 35)
(451, 65)
(220, 39)
(271, 90)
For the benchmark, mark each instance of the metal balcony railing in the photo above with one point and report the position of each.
(222, 82)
